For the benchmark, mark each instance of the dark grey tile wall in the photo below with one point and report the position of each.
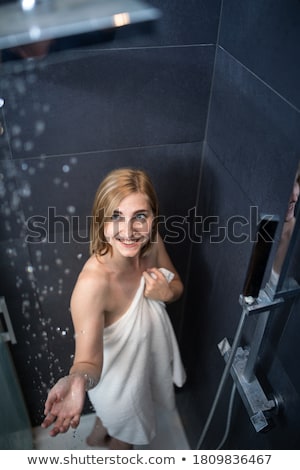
(264, 37)
(254, 133)
(138, 98)
(250, 158)
(109, 100)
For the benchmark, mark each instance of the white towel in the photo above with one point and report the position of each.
(141, 363)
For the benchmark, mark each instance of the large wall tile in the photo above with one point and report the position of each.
(69, 183)
(255, 134)
(109, 100)
(265, 37)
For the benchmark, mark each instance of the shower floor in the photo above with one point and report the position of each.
(170, 435)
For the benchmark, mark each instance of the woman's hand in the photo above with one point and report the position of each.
(64, 404)
(156, 286)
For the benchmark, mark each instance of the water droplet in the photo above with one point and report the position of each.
(7, 226)
(25, 190)
(66, 168)
(17, 144)
(15, 200)
(39, 127)
(71, 209)
(16, 130)
(28, 146)
(11, 252)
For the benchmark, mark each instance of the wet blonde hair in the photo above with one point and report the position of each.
(117, 185)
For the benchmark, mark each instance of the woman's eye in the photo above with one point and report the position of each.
(141, 217)
(116, 216)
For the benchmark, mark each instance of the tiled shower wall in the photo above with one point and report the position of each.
(206, 100)
(250, 158)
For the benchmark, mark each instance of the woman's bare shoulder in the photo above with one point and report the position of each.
(93, 276)
(90, 294)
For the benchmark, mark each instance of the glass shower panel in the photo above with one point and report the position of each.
(15, 427)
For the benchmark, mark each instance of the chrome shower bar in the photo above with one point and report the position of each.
(243, 362)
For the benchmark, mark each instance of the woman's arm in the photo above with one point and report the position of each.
(87, 309)
(65, 400)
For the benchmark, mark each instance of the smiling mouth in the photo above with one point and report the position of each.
(129, 241)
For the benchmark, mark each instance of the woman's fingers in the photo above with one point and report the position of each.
(75, 421)
(61, 425)
(50, 418)
(52, 398)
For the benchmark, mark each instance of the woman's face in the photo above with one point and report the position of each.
(129, 227)
(292, 202)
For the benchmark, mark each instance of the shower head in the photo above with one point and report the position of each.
(28, 21)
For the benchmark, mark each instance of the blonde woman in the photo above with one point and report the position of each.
(126, 354)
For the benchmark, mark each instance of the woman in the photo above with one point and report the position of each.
(287, 231)
(126, 355)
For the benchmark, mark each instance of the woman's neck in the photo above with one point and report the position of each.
(121, 263)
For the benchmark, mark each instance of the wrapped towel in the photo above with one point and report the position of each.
(141, 361)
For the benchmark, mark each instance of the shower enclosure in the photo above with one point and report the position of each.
(15, 427)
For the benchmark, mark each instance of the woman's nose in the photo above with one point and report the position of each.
(126, 228)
